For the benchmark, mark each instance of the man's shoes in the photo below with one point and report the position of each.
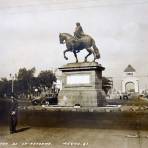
(11, 132)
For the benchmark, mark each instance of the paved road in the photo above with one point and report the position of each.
(72, 137)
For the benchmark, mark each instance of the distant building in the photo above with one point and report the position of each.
(130, 83)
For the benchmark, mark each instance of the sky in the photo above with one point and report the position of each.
(29, 33)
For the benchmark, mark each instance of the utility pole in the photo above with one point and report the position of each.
(12, 82)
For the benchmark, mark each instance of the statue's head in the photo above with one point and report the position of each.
(78, 24)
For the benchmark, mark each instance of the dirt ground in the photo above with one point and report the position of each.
(33, 137)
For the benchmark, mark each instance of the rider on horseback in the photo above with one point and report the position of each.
(86, 42)
(78, 33)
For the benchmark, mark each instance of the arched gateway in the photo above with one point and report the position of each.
(130, 84)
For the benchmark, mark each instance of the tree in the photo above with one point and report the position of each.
(46, 78)
(5, 87)
(26, 82)
(106, 84)
(25, 74)
(25, 79)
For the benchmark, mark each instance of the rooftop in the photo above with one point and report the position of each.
(129, 68)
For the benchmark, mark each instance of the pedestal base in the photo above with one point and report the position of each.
(82, 84)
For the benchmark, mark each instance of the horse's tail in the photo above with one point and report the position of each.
(96, 50)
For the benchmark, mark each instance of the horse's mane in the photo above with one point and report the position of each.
(68, 34)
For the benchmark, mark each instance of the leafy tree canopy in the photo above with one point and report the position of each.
(25, 74)
(46, 78)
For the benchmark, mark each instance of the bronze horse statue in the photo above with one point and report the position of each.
(75, 45)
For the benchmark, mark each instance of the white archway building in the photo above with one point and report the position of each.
(130, 83)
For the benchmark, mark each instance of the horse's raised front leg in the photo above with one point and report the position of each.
(75, 54)
(64, 52)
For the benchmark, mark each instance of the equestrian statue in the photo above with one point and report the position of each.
(79, 42)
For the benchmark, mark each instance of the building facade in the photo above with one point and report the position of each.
(130, 83)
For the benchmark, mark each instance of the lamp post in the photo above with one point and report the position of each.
(12, 82)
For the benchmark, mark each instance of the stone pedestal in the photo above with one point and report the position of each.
(82, 84)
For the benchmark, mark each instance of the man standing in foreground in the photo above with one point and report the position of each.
(13, 114)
